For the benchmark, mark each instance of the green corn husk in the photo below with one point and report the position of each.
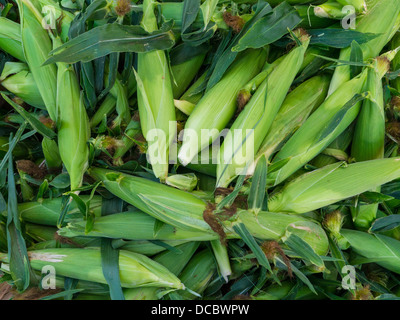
(258, 116)
(47, 211)
(294, 112)
(10, 38)
(279, 292)
(184, 73)
(198, 273)
(146, 293)
(73, 123)
(51, 154)
(122, 104)
(219, 104)
(330, 10)
(185, 182)
(105, 108)
(39, 232)
(85, 264)
(276, 2)
(369, 138)
(17, 79)
(24, 86)
(305, 144)
(382, 18)
(155, 99)
(333, 183)
(377, 248)
(167, 204)
(174, 262)
(36, 45)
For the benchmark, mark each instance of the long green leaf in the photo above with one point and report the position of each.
(110, 38)
(110, 266)
(339, 38)
(270, 28)
(17, 253)
(386, 223)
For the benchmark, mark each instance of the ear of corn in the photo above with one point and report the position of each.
(258, 115)
(73, 123)
(173, 206)
(382, 18)
(155, 99)
(198, 273)
(36, 46)
(105, 108)
(218, 107)
(173, 261)
(10, 38)
(331, 184)
(305, 144)
(135, 270)
(294, 112)
(369, 136)
(147, 247)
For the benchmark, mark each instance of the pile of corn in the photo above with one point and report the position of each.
(122, 175)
